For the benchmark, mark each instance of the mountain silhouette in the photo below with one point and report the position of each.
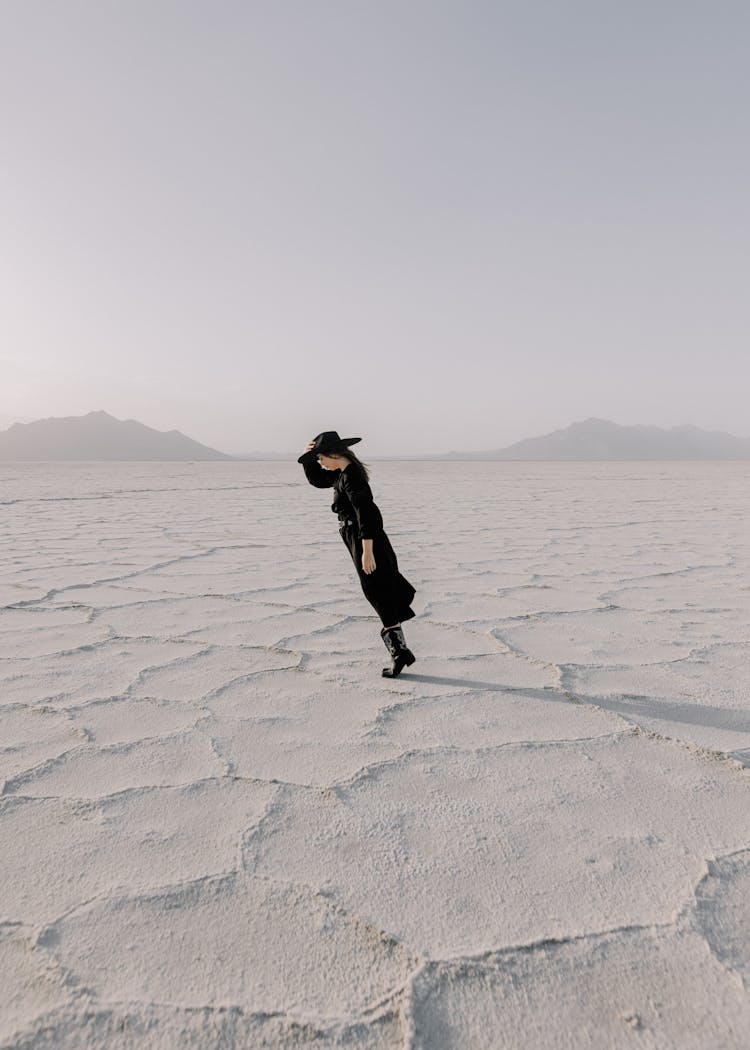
(98, 435)
(600, 439)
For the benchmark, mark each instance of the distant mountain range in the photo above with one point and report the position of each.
(600, 439)
(98, 436)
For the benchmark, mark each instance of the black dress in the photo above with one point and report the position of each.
(389, 593)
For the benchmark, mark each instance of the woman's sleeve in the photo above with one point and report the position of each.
(321, 479)
(369, 518)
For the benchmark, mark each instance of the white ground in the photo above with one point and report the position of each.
(221, 828)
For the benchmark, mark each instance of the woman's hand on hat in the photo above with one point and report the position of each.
(310, 445)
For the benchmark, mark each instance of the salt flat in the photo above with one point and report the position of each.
(220, 827)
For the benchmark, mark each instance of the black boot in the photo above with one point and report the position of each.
(402, 656)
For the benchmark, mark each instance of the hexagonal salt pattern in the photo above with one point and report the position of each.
(220, 826)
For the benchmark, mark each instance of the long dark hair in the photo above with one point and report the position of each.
(355, 459)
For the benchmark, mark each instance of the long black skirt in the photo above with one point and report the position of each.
(388, 592)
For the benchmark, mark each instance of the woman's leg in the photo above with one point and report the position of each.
(389, 596)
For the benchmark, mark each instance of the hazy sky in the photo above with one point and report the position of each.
(435, 225)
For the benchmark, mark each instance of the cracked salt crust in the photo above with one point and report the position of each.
(456, 852)
(220, 827)
(217, 922)
(59, 853)
(638, 987)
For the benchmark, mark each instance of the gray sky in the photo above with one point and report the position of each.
(435, 225)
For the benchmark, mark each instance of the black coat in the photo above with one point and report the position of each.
(389, 593)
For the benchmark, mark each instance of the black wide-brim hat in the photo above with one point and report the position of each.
(327, 442)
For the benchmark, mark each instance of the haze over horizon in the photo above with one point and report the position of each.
(437, 226)
(98, 435)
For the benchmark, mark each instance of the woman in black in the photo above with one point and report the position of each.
(328, 463)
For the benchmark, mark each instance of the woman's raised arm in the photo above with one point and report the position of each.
(315, 474)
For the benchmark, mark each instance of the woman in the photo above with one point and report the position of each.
(328, 463)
